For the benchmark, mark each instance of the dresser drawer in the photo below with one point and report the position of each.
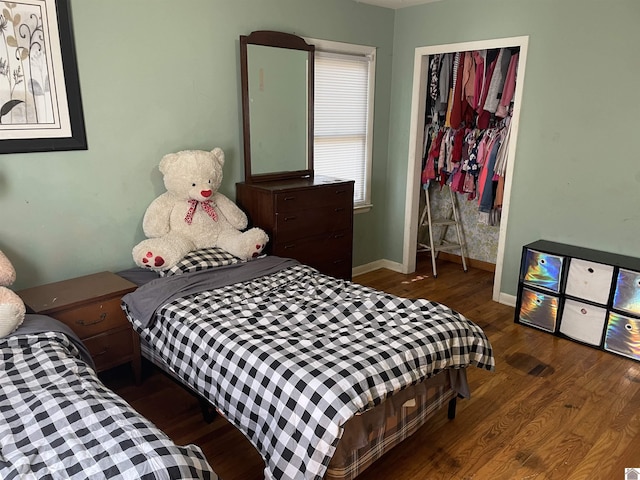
(338, 195)
(111, 348)
(93, 318)
(319, 249)
(294, 225)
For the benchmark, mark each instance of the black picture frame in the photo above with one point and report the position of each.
(67, 129)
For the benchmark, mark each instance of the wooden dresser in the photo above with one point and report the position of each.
(90, 306)
(309, 219)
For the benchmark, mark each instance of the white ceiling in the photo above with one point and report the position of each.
(395, 3)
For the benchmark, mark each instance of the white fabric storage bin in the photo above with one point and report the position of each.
(589, 280)
(583, 322)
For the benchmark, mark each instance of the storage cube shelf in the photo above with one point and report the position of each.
(584, 295)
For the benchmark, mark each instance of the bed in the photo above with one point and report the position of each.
(58, 420)
(322, 375)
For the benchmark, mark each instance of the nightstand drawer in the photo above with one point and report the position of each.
(94, 318)
(338, 195)
(111, 348)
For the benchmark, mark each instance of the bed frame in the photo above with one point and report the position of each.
(368, 436)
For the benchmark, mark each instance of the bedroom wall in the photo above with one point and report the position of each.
(159, 76)
(576, 174)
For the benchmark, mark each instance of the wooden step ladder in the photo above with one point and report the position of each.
(452, 218)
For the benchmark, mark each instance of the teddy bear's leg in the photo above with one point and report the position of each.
(12, 311)
(161, 253)
(244, 245)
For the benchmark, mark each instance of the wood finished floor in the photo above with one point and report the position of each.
(553, 409)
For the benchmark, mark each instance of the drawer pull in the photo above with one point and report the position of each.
(338, 209)
(102, 318)
(103, 352)
(287, 247)
(336, 262)
(338, 192)
(288, 199)
(288, 219)
(338, 235)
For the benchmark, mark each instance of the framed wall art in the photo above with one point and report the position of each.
(40, 104)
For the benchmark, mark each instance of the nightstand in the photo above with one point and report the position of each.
(90, 305)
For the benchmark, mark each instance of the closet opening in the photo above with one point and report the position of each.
(433, 118)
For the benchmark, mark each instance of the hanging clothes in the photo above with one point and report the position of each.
(469, 100)
(509, 87)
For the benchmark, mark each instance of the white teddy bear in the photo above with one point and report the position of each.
(12, 307)
(192, 214)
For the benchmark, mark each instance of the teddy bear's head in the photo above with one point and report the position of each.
(12, 309)
(193, 174)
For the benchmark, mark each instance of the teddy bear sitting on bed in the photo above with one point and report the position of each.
(192, 214)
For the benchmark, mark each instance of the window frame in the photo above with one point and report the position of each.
(351, 49)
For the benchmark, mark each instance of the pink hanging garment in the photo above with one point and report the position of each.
(509, 87)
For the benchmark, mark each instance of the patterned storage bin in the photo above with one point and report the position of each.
(623, 336)
(627, 295)
(539, 309)
(542, 270)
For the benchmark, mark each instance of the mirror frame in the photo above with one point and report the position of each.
(271, 38)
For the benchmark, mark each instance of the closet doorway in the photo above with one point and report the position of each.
(416, 146)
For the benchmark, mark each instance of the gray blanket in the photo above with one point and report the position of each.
(143, 302)
(34, 324)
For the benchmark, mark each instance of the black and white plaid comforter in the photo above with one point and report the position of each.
(58, 421)
(291, 356)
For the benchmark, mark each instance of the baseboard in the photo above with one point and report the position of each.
(479, 264)
(503, 298)
(397, 267)
(370, 267)
(506, 299)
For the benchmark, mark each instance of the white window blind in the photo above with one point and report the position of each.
(341, 119)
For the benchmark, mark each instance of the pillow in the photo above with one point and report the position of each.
(202, 259)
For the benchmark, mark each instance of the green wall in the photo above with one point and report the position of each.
(156, 77)
(576, 173)
(159, 76)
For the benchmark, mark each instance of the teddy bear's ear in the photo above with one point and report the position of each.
(167, 161)
(219, 154)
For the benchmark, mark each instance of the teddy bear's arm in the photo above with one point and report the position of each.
(156, 219)
(231, 211)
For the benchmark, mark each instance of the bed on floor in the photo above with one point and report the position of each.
(59, 421)
(322, 375)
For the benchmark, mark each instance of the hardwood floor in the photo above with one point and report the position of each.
(553, 409)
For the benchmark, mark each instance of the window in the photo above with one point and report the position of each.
(343, 114)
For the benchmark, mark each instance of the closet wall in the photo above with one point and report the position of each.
(468, 112)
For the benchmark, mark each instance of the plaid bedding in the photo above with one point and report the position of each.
(289, 357)
(58, 421)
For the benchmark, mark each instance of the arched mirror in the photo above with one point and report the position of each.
(276, 72)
